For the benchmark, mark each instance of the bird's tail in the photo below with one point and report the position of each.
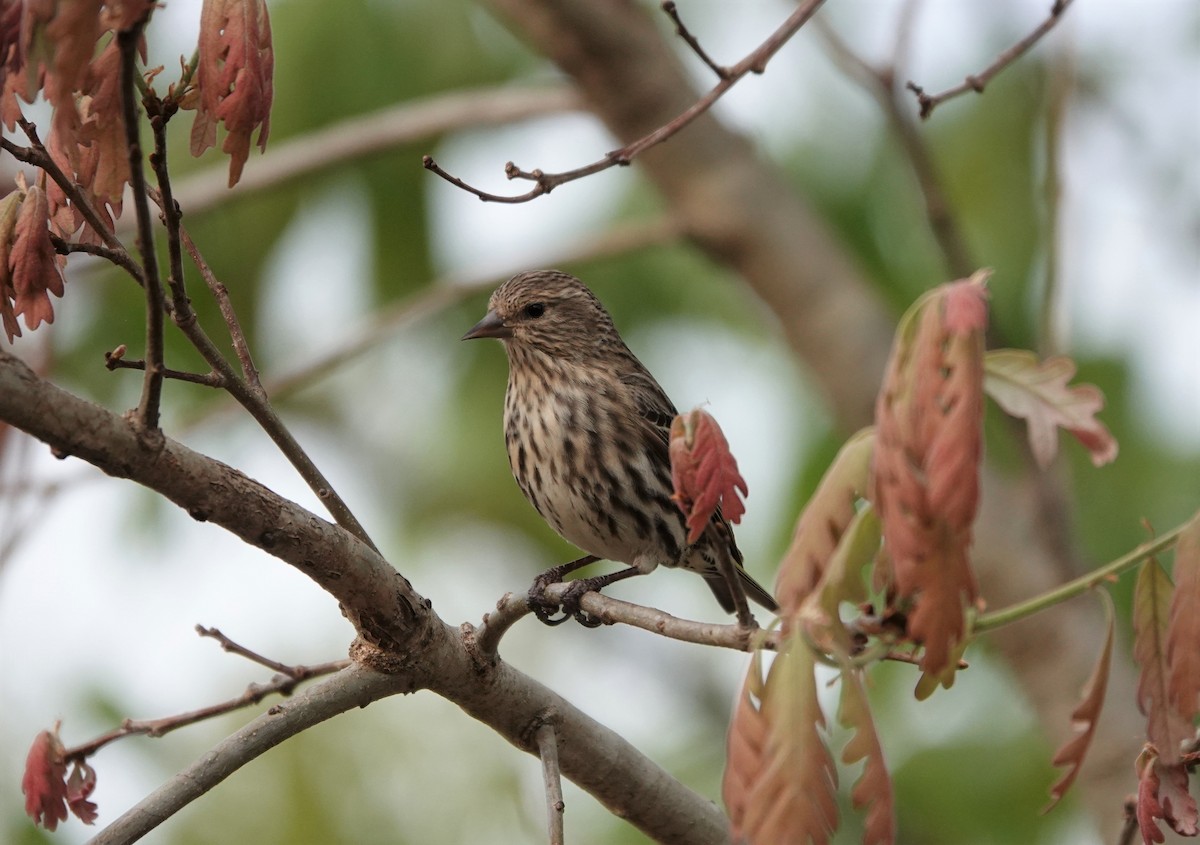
(754, 591)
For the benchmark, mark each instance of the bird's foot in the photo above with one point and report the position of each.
(545, 608)
(542, 606)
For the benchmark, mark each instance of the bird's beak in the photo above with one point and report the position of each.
(490, 326)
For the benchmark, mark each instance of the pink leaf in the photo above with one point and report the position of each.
(925, 472)
(1183, 626)
(1165, 728)
(1085, 715)
(1039, 393)
(234, 77)
(873, 789)
(785, 784)
(80, 786)
(44, 783)
(35, 269)
(704, 472)
(823, 521)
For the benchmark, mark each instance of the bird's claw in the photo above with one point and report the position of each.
(570, 603)
(544, 608)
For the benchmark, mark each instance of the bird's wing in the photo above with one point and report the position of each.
(650, 401)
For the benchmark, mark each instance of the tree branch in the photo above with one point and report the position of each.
(283, 684)
(547, 745)
(148, 406)
(399, 633)
(611, 611)
(368, 134)
(880, 83)
(977, 82)
(755, 62)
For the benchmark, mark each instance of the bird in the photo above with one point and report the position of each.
(587, 429)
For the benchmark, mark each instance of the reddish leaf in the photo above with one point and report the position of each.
(745, 746)
(107, 162)
(1183, 627)
(1163, 794)
(71, 31)
(841, 582)
(823, 521)
(704, 472)
(1178, 806)
(80, 786)
(234, 78)
(9, 208)
(1148, 808)
(44, 783)
(1165, 728)
(36, 272)
(925, 472)
(1085, 715)
(1039, 393)
(873, 789)
(785, 784)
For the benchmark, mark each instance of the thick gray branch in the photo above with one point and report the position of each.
(400, 633)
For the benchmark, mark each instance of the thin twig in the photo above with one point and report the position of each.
(237, 648)
(1077, 586)
(977, 82)
(283, 684)
(1129, 823)
(118, 257)
(683, 32)
(148, 406)
(114, 361)
(880, 83)
(612, 611)
(221, 293)
(547, 746)
(755, 62)
(169, 211)
(1061, 85)
(369, 134)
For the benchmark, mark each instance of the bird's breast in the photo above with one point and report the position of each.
(582, 457)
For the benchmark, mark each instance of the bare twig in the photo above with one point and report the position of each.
(236, 648)
(377, 132)
(547, 746)
(148, 406)
(283, 684)
(683, 32)
(1061, 85)
(755, 62)
(880, 83)
(610, 611)
(977, 82)
(240, 346)
(115, 361)
(1129, 823)
(169, 211)
(118, 257)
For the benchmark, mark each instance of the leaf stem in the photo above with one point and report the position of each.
(1082, 584)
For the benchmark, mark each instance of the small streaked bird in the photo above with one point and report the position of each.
(587, 431)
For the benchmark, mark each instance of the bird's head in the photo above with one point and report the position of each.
(549, 311)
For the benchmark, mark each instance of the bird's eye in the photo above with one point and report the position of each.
(535, 309)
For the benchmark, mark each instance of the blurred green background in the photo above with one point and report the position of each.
(99, 593)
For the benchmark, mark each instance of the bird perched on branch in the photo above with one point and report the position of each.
(587, 429)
